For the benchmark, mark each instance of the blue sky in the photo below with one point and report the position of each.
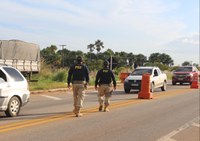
(137, 26)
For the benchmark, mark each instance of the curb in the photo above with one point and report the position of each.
(63, 89)
(47, 91)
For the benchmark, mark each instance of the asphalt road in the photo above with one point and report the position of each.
(170, 116)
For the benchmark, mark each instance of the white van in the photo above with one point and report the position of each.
(14, 90)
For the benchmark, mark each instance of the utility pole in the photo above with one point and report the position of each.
(63, 54)
(111, 62)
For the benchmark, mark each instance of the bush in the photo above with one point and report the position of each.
(60, 76)
(161, 66)
(173, 68)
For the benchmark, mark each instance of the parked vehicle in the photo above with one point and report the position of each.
(21, 55)
(184, 74)
(158, 79)
(14, 90)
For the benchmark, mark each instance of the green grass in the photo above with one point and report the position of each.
(52, 79)
(46, 85)
(51, 82)
(169, 75)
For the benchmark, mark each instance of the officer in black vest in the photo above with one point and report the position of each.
(79, 76)
(104, 78)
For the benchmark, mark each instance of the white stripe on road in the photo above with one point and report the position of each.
(51, 97)
(196, 124)
(171, 140)
(173, 133)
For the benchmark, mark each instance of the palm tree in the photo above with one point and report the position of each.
(99, 45)
(91, 47)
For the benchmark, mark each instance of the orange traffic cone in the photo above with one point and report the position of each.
(123, 76)
(195, 81)
(145, 88)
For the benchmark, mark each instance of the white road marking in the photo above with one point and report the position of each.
(51, 97)
(171, 140)
(168, 136)
(196, 124)
(91, 91)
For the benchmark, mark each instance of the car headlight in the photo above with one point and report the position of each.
(126, 80)
(189, 74)
(174, 75)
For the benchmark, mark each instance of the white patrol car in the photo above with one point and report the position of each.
(14, 90)
(158, 79)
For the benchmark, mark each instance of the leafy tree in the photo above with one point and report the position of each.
(50, 56)
(63, 53)
(186, 63)
(166, 59)
(108, 53)
(71, 57)
(154, 57)
(65, 57)
(161, 58)
(121, 58)
(161, 66)
(141, 59)
(195, 64)
(131, 58)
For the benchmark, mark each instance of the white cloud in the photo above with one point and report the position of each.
(184, 49)
(138, 26)
(48, 15)
(146, 17)
(191, 39)
(140, 15)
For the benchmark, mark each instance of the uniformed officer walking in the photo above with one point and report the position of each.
(104, 78)
(79, 76)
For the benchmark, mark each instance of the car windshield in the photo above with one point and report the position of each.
(141, 71)
(184, 69)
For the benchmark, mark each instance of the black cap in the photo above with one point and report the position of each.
(79, 59)
(105, 63)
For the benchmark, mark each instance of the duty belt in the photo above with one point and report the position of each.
(104, 84)
(78, 82)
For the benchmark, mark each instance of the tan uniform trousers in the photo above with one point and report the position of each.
(104, 90)
(79, 94)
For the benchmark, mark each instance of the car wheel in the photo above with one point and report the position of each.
(173, 83)
(152, 87)
(164, 87)
(127, 90)
(14, 106)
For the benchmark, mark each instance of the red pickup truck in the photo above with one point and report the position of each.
(184, 74)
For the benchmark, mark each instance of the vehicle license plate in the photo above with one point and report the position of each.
(134, 85)
(180, 78)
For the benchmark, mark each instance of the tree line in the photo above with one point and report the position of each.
(94, 57)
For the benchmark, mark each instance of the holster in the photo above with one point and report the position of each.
(110, 93)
